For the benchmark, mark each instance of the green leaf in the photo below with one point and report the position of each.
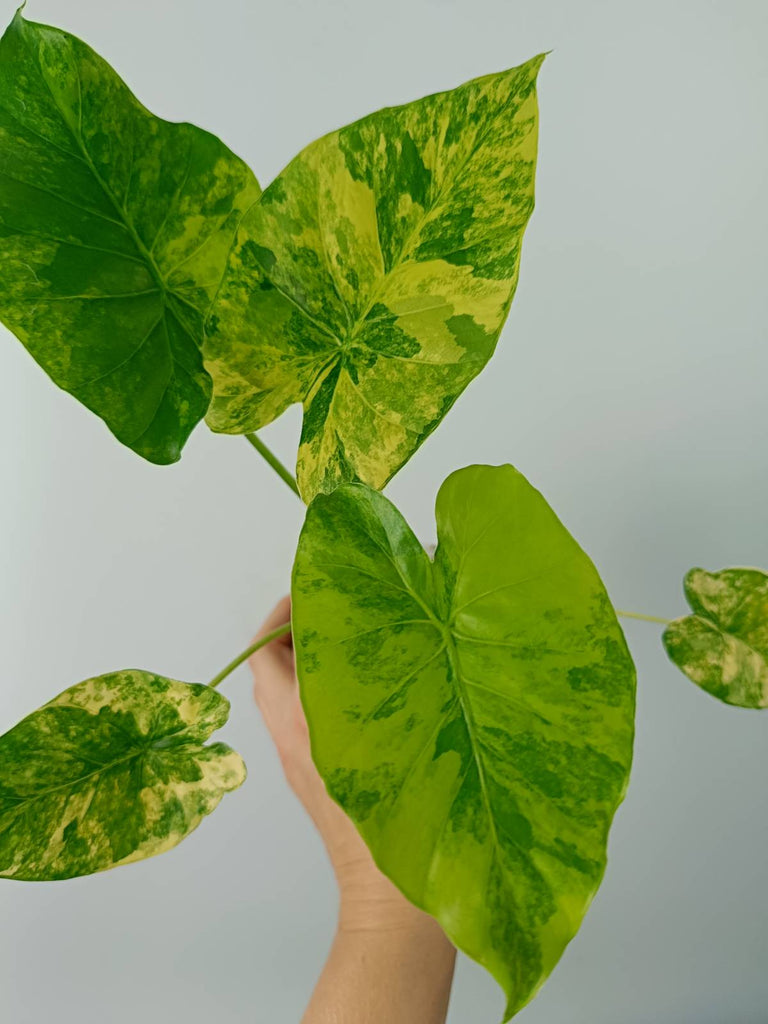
(114, 231)
(373, 279)
(111, 771)
(723, 646)
(473, 715)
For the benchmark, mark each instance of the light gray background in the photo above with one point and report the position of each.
(629, 385)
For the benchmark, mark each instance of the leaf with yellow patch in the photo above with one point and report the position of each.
(473, 714)
(113, 770)
(373, 278)
(114, 231)
(723, 646)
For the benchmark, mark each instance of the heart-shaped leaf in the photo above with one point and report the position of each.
(372, 280)
(111, 771)
(114, 231)
(723, 646)
(473, 715)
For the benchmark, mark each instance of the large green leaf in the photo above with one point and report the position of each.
(111, 771)
(114, 231)
(372, 280)
(723, 646)
(473, 715)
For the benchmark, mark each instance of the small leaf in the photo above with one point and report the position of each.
(113, 770)
(723, 646)
(114, 230)
(372, 280)
(473, 715)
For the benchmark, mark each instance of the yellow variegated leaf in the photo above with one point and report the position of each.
(472, 713)
(114, 230)
(373, 278)
(723, 646)
(113, 770)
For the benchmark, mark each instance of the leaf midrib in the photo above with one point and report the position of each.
(101, 770)
(126, 222)
(354, 328)
(469, 719)
(449, 645)
(76, 782)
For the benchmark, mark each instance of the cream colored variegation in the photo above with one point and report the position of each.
(113, 770)
(723, 646)
(372, 280)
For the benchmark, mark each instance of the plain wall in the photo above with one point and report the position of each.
(629, 385)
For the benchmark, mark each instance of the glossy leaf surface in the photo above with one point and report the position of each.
(113, 770)
(372, 280)
(473, 715)
(723, 646)
(114, 231)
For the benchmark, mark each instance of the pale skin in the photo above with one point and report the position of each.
(388, 961)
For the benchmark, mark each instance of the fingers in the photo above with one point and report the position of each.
(279, 615)
(278, 652)
(273, 667)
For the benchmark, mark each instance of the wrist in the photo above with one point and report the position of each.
(369, 902)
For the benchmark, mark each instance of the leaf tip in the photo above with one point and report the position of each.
(18, 20)
(536, 62)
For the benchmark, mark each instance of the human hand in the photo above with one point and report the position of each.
(368, 898)
(389, 960)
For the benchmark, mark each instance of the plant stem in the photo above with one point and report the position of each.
(273, 461)
(643, 618)
(261, 642)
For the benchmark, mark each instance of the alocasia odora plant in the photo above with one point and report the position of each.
(472, 711)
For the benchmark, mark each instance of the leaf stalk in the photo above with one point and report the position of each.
(244, 655)
(643, 618)
(274, 462)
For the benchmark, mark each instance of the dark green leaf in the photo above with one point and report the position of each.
(114, 230)
(723, 646)
(373, 279)
(473, 715)
(111, 771)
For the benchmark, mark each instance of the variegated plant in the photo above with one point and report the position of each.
(472, 712)
(372, 280)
